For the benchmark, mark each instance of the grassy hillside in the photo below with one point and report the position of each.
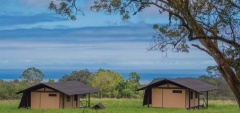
(123, 106)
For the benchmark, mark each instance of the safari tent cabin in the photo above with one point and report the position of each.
(55, 95)
(176, 93)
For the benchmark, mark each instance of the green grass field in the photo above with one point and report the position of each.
(123, 106)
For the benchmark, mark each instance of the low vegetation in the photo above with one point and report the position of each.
(123, 106)
(111, 84)
(222, 100)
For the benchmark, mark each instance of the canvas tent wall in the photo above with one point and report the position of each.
(54, 95)
(176, 93)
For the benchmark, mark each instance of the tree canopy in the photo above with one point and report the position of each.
(106, 81)
(128, 88)
(212, 24)
(81, 76)
(32, 75)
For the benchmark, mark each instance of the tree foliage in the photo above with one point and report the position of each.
(106, 81)
(81, 76)
(134, 77)
(9, 88)
(213, 72)
(224, 92)
(127, 88)
(32, 75)
(212, 24)
(214, 77)
(112, 84)
(51, 80)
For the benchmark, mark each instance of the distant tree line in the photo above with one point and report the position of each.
(9, 89)
(29, 77)
(111, 84)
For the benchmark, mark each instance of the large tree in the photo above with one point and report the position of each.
(106, 81)
(32, 76)
(212, 24)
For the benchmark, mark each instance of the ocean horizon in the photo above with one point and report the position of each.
(144, 74)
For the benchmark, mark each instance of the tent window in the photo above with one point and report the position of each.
(68, 98)
(75, 97)
(191, 94)
(52, 95)
(196, 95)
(176, 91)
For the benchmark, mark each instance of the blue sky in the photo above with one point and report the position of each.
(33, 36)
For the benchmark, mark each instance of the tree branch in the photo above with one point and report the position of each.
(231, 42)
(183, 23)
(233, 4)
(197, 46)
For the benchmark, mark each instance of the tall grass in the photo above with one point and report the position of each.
(123, 106)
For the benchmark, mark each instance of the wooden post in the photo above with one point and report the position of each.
(72, 100)
(63, 99)
(198, 99)
(189, 99)
(89, 100)
(207, 99)
(27, 100)
(148, 98)
(76, 101)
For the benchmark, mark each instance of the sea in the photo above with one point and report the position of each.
(146, 75)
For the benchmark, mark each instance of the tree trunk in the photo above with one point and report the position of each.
(232, 81)
(223, 65)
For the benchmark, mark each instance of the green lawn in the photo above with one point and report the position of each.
(123, 106)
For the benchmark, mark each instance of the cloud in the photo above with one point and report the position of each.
(209, 62)
(152, 11)
(28, 14)
(152, 15)
(12, 20)
(94, 34)
(4, 61)
(26, 61)
(34, 3)
(19, 7)
(40, 7)
(112, 47)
